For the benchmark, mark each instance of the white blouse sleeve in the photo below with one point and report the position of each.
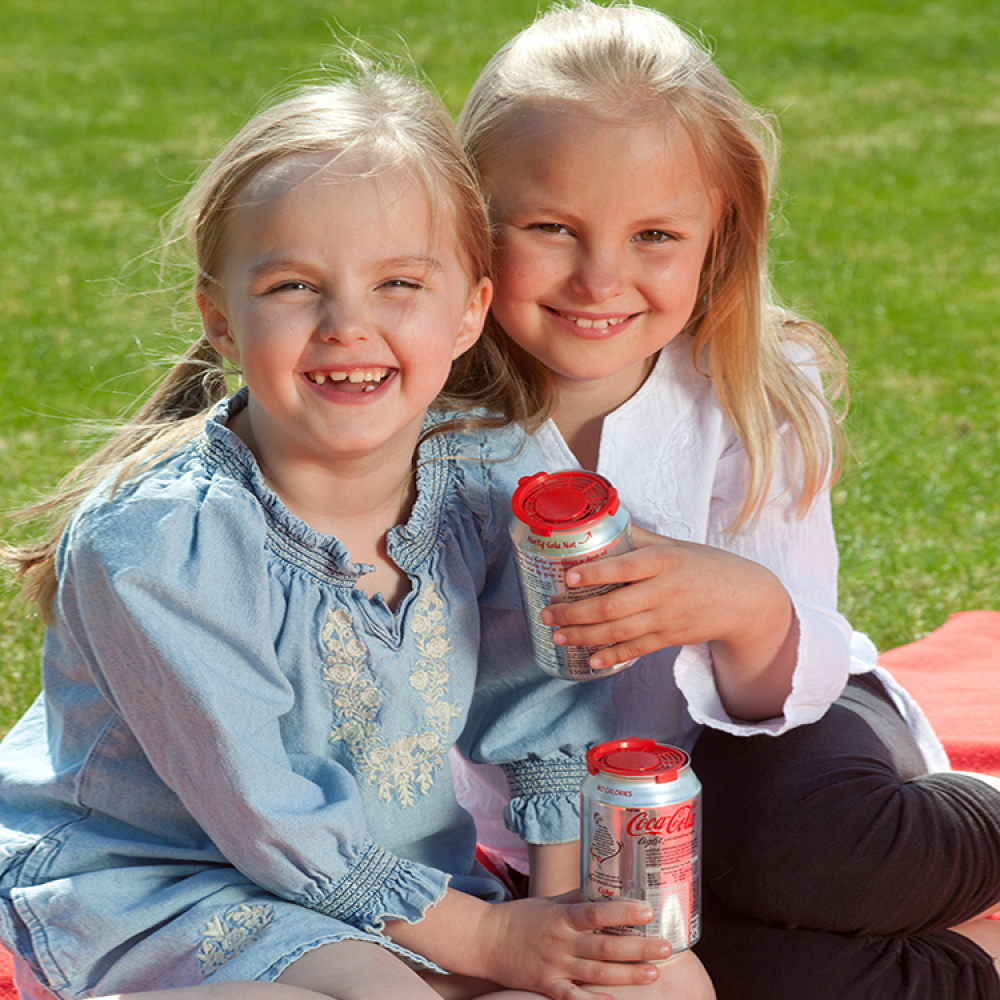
(802, 552)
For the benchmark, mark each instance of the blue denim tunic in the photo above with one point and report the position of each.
(238, 755)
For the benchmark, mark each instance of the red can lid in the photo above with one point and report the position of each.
(563, 501)
(645, 759)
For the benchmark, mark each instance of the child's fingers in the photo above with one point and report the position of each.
(593, 976)
(628, 567)
(606, 656)
(642, 537)
(626, 639)
(610, 656)
(593, 916)
(601, 609)
(611, 960)
(623, 948)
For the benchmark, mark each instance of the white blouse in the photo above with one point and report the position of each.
(681, 470)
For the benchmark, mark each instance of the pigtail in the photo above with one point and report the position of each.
(773, 394)
(172, 415)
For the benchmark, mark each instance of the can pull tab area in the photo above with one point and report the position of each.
(640, 759)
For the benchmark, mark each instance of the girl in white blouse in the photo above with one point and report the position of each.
(629, 188)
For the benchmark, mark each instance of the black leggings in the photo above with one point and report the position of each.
(834, 864)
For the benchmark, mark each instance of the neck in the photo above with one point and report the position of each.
(581, 430)
(352, 496)
(356, 499)
(349, 500)
(584, 403)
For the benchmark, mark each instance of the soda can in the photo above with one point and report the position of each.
(563, 519)
(640, 828)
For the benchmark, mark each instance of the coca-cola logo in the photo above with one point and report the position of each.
(679, 821)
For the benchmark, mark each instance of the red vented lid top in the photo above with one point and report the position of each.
(563, 501)
(637, 759)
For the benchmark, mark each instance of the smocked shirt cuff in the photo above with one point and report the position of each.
(545, 799)
(381, 886)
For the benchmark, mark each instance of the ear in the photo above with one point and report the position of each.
(216, 326)
(474, 317)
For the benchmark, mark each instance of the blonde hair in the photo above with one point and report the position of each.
(380, 116)
(629, 64)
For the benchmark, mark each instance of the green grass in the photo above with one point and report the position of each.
(889, 235)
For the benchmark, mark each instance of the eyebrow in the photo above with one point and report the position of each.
(272, 265)
(662, 215)
(425, 260)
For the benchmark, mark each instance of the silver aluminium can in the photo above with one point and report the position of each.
(640, 831)
(563, 519)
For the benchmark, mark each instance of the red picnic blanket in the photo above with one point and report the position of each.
(7, 991)
(954, 674)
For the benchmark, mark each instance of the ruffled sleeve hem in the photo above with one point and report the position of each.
(545, 799)
(381, 886)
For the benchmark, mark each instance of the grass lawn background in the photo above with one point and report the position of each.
(888, 234)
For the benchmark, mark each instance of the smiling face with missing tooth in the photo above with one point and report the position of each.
(344, 305)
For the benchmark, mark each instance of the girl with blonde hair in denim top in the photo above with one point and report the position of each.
(264, 615)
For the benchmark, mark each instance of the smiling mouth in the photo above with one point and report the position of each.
(356, 380)
(591, 324)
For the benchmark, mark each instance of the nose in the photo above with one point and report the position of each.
(599, 273)
(344, 322)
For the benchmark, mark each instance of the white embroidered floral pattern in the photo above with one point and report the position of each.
(230, 932)
(401, 767)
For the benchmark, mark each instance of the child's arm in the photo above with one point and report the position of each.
(555, 868)
(542, 945)
(684, 593)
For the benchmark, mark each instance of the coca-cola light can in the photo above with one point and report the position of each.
(641, 836)
(563, 519)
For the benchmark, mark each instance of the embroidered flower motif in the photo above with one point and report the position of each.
(231, 932)
(437, 646)
(404, 767)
